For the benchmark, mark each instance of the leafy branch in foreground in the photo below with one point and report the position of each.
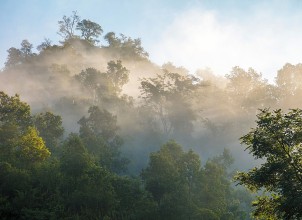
(277, 141)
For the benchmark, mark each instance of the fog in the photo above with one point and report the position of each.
(202, 111)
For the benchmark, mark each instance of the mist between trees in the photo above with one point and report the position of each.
(120, 108)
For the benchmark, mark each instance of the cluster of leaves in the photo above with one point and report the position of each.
(105, 87)
(19, 56)
(90, 30)
(183, 189)
(125, 46)
(276, 140)
(168, 96)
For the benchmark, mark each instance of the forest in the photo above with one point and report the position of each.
(92, 130)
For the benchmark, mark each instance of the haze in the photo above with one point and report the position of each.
(194, 34)
(125, 105)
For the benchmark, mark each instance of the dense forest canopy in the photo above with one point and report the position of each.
(98, 131)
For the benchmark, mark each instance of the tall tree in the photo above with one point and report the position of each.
(169, 96)
(68, 25)
(99, 133)
(50, 128)
(14, 57)
(289, 85)
(125, 47)
(14, 111)
(75, 160)
(14, 120)
(112, 40)
(44, 45)
(250, 90)
(26, 48)
(104, 87)
(19, 56)
(277, 141)
(90, 31)
(118, 74)
(31, 148)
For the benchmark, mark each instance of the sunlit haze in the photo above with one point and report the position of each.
(155, 109)
(194, 34)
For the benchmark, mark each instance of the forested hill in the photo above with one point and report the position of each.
(89, 134)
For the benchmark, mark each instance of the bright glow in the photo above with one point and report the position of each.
(199, 39)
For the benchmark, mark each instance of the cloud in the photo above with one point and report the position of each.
(202, 38)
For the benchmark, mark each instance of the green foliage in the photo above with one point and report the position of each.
(125, 47)
(31, 148)
(118, 74)
(14, 121)
(104, 88)
(89, 30)
(67, 25)
(75, 160)
(289, 80)
(13, 182)
(99, 133)
(99, 123)
(205, 214)
(46, 44)
(18, 56)
(250, 89)
(276, 140)
(50, 128)
(13, 111)
(26, 48)
(168, 96)
(14, 57)
(185, 190)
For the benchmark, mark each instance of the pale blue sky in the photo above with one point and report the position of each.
(190, 33)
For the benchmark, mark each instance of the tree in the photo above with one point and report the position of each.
(31, 148)
(99, 123)
(171, 176)
(68, 25)
(26, 48)
(95, 83)
(250, 90)
(104, 87)
(183, 189)
(289, 85)
(14, 57)
(50, 128)
(14, 111)
(277, 142)
(19, 56)
(118, 74)
(14, 182)
(90, 31)
(112, 40)
(99, 133)
(169, 96)
(132, 48)
(14, 120)
(44, 45)
(125, 47)
(75, 160)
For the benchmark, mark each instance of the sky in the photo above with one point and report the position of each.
(195, 34)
